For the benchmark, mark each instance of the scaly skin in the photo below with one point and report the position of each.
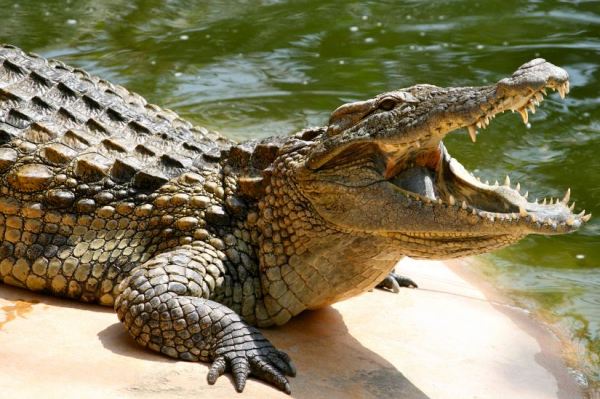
(195, 239)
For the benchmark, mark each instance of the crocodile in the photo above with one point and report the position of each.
(197, 241)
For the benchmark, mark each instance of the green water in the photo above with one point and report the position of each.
(259, 68)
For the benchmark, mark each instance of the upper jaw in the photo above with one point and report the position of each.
(425, 114)
(521, 92)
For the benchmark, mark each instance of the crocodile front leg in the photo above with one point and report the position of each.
(393, 282)
(164, 305)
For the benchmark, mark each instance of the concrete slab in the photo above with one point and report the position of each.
(444, 340)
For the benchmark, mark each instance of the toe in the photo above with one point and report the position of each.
(265, 371)
(291, 369)
(240, 370)
(217, 369)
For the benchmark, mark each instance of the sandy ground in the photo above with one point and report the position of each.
(444, 340)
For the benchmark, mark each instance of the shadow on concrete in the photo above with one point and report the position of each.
(330, 360)
(116, 339)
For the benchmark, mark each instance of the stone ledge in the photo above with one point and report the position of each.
(444, 340)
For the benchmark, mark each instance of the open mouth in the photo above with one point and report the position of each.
(434, 178)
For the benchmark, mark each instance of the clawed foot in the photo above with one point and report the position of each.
(394, 281)
(246, 351)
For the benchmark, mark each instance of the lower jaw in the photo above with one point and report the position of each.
(449, 245)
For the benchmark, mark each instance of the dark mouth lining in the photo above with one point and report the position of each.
(439, 184)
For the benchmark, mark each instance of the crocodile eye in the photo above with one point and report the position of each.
(387, 104)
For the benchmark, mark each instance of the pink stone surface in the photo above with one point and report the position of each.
(444, 340)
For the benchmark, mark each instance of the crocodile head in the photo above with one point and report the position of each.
(381, 168)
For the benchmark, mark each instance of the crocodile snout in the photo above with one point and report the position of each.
(536, 75)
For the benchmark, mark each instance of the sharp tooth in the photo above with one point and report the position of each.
(463, 205)
(474, 212)
(561, 91)
(567, 196)
(544, 201)
(439, 201)
(567, 87)
(572, 206)
(524, 115)
(544, 91)
(531, 107)
(451, 200)
(522, 212)
(537, 200)
(570, 221)
(587, 217)
(507, 181)
(539, 97)
(496, 183)
(526, 194)
(518, 187)
(533, 218)
(472, 133)
(581, 214)
(487, 182)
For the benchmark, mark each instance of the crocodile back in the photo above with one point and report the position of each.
(65, 134)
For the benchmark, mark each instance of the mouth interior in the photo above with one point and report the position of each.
(448, 181)
(449, 184)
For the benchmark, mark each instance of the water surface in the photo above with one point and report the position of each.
(260, 68)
